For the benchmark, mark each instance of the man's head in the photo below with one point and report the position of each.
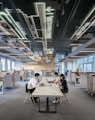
(37, 75)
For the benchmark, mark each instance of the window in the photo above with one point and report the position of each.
(85, 70)
(89, 67)
(3, 64)
(8, 64)
(13, 65)
(90, 59)
(69, 66)
(0, 65)
(81, 68)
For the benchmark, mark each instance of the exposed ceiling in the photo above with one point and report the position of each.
(39, 29)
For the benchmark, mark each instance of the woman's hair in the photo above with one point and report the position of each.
(63, 76)
(56, 73)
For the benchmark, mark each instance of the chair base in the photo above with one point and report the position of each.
(29, 99)
(62, 100)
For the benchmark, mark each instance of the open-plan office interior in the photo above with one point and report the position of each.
(53, 40)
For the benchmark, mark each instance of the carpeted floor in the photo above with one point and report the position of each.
(82, 106)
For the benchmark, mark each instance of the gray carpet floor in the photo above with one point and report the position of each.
(12, 106)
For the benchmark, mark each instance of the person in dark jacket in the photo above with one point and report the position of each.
(64, 85)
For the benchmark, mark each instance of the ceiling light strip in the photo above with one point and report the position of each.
(4, 47)
(93, 22)
(28, 24)
(89, 14)
(32, 19)
(40, 10)
(13, 25)
(13, 21)
(87, 51)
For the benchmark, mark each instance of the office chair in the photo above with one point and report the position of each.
(65, 98)
(64, 93)
(28, 97)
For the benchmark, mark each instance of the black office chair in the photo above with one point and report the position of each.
(28, 97)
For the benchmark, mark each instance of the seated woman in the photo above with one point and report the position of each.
(64, 86)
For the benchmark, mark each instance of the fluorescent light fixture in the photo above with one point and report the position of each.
(36, 6)
(32, 19)
(68, 59)
(51, 13)
(33, 16)
(77, 56)
(31, 57)
(22, 38)
(67, 1)
(63, 11)
(40, 10)
(20, 27)
(32, 62)
(26, 41)
(57, 23)
(75, 44)
(83, 30)
(10, 19)
(16, 54)
(49, 26)
(4, 47)
(49, 19)
(2, 13)
(87, 51)
(49, 9)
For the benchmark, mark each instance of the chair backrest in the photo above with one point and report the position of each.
(65, 87)
(26, 87)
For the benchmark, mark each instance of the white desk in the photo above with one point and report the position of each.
(46, 80)
(47, 91)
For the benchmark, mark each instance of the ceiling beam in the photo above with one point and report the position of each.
(25, 27)
(71, 16)
(83, 48)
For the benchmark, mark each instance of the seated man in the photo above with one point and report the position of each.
(33, 83)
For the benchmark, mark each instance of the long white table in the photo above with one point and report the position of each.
(47, 91)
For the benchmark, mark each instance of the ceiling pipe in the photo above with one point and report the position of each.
(40, 10)
(22, 23)
(85, 19)
(20, 19)
(73, 11)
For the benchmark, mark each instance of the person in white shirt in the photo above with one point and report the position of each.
(56, 79)
(57, 82)
(33, 83)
